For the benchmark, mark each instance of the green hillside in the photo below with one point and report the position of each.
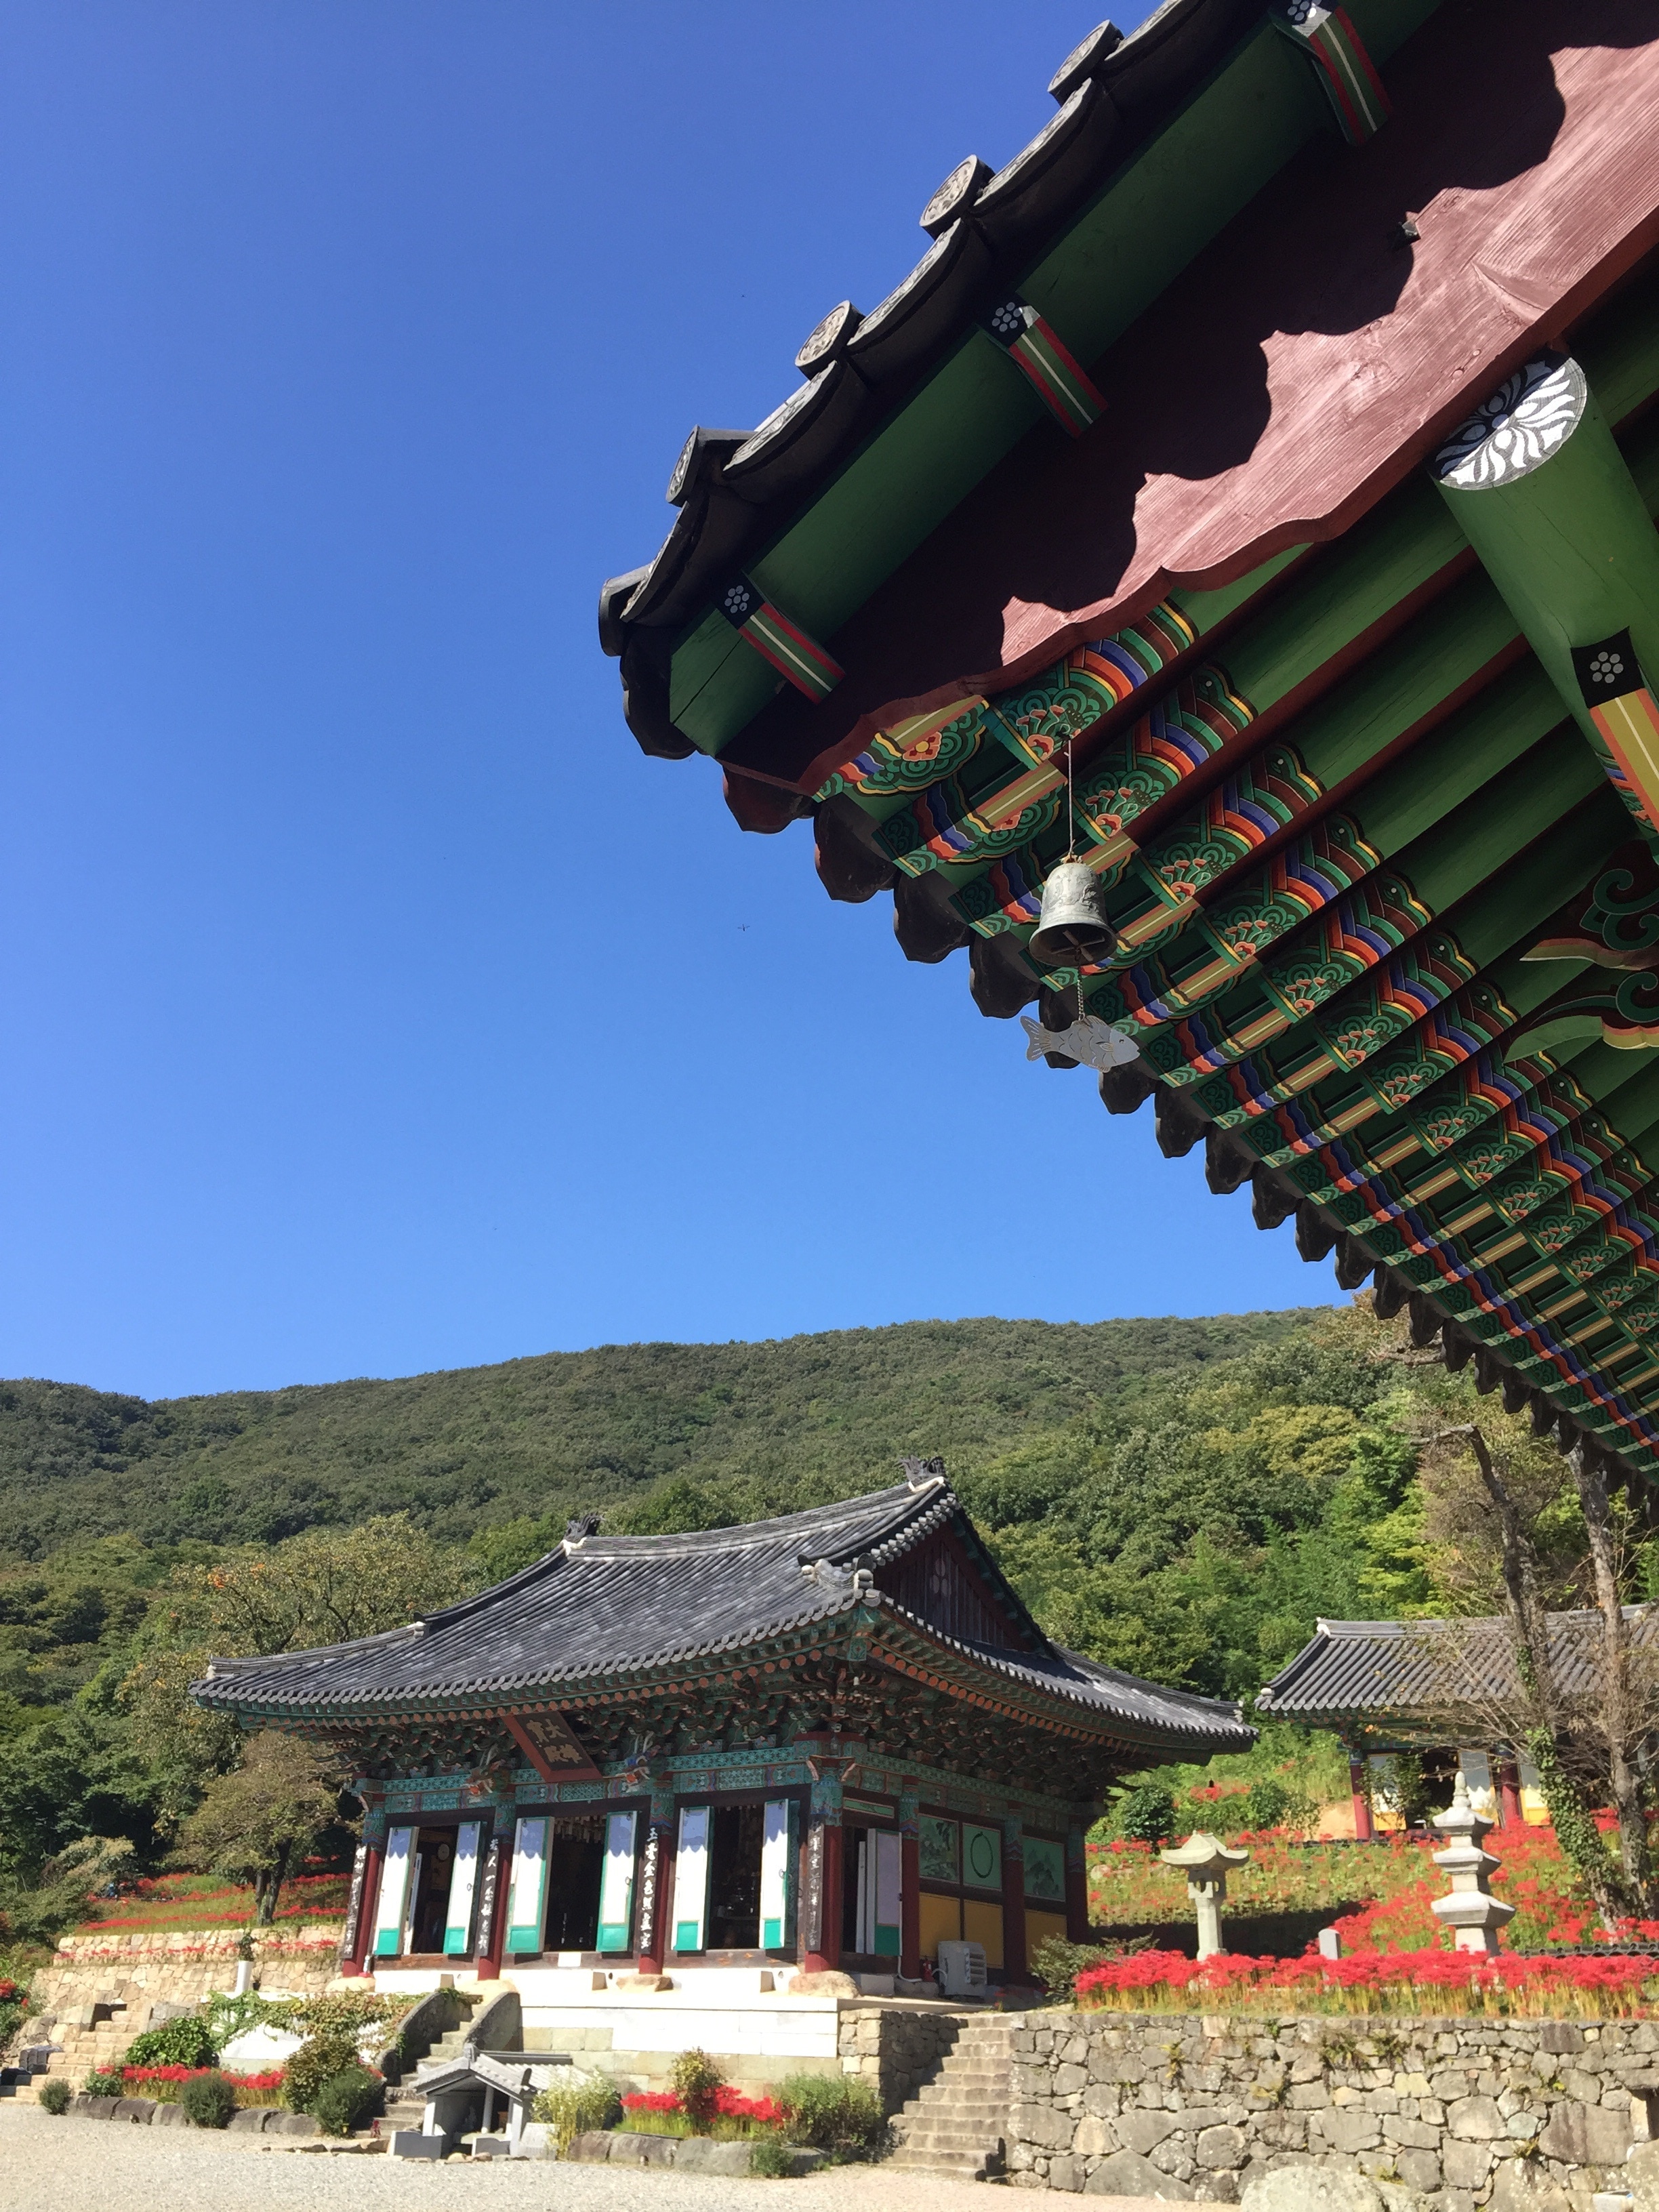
(803, 1418)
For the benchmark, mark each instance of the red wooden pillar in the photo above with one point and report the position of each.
(492, 1918)
(1014, 1970)
(1365, 1831)
(656, 1885)
(823, 1925)
(1509, 1814)
(369, 1899)
(1076, 1885)
(909, 1888)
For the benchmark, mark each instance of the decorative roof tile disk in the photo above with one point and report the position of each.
(1250, 491)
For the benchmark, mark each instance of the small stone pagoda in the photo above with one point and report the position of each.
(829, 1741)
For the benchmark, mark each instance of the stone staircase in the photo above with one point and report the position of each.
(405, 2108)
(93, 2036)
(956, 2122)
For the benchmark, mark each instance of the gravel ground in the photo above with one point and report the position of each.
(80, 2165)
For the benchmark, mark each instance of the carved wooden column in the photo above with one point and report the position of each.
(654, 1882)
(492, 1898)
(909, 1886)
(1076, 1884)
(1014, 1968)
(1509, 1793)
(365, 1888)
(1364, 1828)
(821, 1874)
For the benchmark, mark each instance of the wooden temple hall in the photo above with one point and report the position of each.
(1214, 595)
(1440, 1691)
(831, 1741)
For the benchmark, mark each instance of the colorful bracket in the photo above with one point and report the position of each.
(789, 648)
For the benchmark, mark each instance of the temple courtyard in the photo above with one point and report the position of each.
(64, 2165)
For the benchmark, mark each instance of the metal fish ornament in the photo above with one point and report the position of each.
(1092, 1041)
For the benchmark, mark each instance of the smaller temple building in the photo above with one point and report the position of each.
(1434, 1691)
(834, 1740)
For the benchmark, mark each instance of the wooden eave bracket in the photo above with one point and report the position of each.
(1326, 36)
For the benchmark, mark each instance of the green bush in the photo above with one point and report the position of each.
(208, 2101)
(55, 2097)
(105, 2083)
(697, 2082)
(318, 2059)
(188, 2041)
(1145, 1813)
(567, 2113)
(12, 2010)
(772, 2158)
(1271, 1803)
(1057, 1963)
(840, 2115)
(349, 2100)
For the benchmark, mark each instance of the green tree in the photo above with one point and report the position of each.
(253, 1822)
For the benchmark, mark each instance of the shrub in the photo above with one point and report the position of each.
(1270, 1804)
(105, 2082)
(55, 2097)
(569, 2112)
(1146, 1815)
(348, 2099)
(188, 2041)
(1057, 1963)
(771, 2159)
(697, 2084)
(208, 2101)
(841, 2116)
(318, 2061)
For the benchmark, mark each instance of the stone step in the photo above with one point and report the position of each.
(977, 2140)
(963, 2165)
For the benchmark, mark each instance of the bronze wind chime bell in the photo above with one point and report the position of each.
(1073, 928)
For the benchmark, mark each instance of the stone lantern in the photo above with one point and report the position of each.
(1471, 1911)
(1205, 1862)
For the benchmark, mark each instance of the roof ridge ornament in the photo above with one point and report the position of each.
(920, 1473)
(1347, 71)
(584, 1525)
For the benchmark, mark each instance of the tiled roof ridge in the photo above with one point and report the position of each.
(741, 1535)
(1142, 80)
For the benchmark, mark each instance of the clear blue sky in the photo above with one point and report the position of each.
(371, 1004)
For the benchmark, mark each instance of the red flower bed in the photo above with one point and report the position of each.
(729, 2105)
(257, 2082)
(1612, 1984)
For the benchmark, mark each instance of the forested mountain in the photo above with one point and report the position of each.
(1180, 1497)
(551, 1435)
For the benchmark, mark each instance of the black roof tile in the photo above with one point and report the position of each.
(601, 1605)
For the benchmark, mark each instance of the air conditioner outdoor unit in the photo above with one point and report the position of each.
(962, 1969)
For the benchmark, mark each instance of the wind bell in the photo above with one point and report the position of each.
(1072, 928)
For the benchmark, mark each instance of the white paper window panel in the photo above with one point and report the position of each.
(394, 1893)
(463, 1890)
(411, 1901)
(616, 1884)
(777, 1874)
(526, 1899)
(691, 1878)
(876, 1913)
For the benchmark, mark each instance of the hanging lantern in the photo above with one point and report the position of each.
(1072, 925)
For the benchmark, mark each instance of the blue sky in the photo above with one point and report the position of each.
(371, 1004)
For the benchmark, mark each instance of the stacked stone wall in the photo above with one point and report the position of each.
(1520, 2115)
(181, 1965)
(895, 2050)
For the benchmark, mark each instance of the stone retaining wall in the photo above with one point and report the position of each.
(1524, 2115)
(183, 1965)
(895, 2050)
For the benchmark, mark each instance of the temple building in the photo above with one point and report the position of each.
(1214, 596)
(1437, 1691)
(833, 1740)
